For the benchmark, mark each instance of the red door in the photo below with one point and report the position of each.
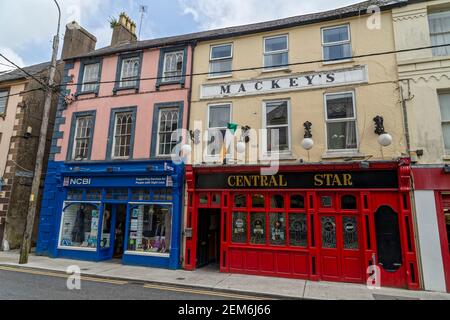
(341, 253)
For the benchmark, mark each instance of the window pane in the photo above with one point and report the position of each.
(440, 32)
(349, 202)
(335, 52)
(75, 194)
(336, 34)
(283, 139)
(93, 194)
(257, 228)
(239, 233)
(258, 201)
(80, 226)
(444, 101)
(340, 106)
(350, 233)
(3, 99)
(221, 67)
(278, 229)
(277, 113)
(122, 137)
(168, 123)
(446, 133)
(219, 116)
(140, 195)
(298, 230)
(106, 227)
(150, 229)
(173, 66)
(328, 232)
(130, 71)
(277, 202)
(240, 201)
(82, 143)
(91, 74)
(117, 194)
(220, 52)
(297, 202)
(342, 135)
(276, 60)
(276, 44)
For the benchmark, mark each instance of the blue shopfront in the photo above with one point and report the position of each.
(128, 211)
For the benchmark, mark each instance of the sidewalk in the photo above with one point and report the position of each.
(213, 280)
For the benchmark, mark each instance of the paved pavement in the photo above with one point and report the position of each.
(209, 279)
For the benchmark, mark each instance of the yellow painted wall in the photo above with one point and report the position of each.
(379, 97)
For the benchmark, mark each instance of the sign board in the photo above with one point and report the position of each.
(123, 181)
(303, 81)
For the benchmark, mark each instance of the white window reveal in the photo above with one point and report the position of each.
(341, 122)
(83, 138)
(219, 116)
(168, 123)
(3, 101)
(276, 52)
(440, 32)
(336, 43)
(444, 100)
(173, 66)
(130, 72)
(276, 117)
(91, 77)
(122, 135)
(221, 60)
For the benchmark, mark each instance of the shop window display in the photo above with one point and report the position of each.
(278, 229)
(297, 202)
(105, 241)
(257, 228)
(298, 230)
(258, 201)
(240, 201)
(80, 225)
(239, 233)
(277, 202)
(150, 229)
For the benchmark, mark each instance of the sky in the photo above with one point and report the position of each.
(28, 26)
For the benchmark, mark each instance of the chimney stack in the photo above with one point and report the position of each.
(77, 41)
(124, 30)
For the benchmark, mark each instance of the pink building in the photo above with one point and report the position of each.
(112, 190)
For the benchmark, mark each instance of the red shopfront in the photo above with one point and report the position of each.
(315, 222)
(437, 179)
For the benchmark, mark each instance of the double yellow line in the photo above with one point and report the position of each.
(147, 286)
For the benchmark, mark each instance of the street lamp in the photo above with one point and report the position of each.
(308, 142)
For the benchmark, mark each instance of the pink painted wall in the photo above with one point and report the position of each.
(106, 101)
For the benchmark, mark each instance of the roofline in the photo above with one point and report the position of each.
(200, 38)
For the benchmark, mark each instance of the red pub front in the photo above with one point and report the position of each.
(327, 222)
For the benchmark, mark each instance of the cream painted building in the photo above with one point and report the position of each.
(331, 212)
(425, 79)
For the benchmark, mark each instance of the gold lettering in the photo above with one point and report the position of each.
(283, 182)
(232, 181)
(239, 182)
(264, 181)
(273, 182)
(337, 181)
(247, 181)
(348, 180)
(328, 177)
(318, 180)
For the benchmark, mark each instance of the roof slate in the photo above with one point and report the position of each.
(18, 74)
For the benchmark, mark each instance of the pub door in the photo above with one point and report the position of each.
(208, 238)
(341, 251)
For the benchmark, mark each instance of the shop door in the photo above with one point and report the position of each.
(120, 215)
(341, 252)
(208, 234)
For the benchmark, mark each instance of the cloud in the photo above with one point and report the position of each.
(211, 14)
(13, 56)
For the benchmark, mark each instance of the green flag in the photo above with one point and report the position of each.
(232, 127)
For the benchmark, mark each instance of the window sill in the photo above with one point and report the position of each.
(125, 89)
(343, 155)
(78, 249)
(168, 83)
(283, 69)
(279, 156)
(220, 77)
(446, 158)
(147, 254)
(333, 62)
(83, 93)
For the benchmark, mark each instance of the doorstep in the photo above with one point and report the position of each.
(210, 279)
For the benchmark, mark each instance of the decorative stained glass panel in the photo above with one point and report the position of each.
(329, 232)
(239, 231)
(298, 230)
(258, 228)
(350, 233)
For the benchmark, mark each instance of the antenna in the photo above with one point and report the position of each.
(143, 10)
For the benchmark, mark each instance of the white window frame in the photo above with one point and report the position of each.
(446, 151)
(174, 108)
(329, 44)
(211, 60)
(75, 138)
(264, 126)
(122, 81)
(166, 79)
(327, 121)
(224, 104)
(65, 205)
(90, 83)
(113, 156)
(266, 68)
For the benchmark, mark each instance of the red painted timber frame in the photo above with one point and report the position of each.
(285, 259)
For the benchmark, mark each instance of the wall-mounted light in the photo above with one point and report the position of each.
(245, 138)
(384, 138)
(308, 142)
